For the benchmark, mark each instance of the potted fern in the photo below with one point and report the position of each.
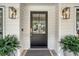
(8, 45)
(70, 45)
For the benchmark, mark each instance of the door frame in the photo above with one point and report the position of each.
(46, 24)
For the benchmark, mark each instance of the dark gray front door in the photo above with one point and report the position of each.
(38, 29)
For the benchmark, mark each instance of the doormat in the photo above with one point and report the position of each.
(38, 53)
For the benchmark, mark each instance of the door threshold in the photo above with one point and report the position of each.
(38, 48)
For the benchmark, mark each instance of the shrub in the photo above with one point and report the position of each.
(8, 45)
(70, 43)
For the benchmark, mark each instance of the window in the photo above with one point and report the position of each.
(1, 22)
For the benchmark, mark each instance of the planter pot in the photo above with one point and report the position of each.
(13, 54)
(66, 53)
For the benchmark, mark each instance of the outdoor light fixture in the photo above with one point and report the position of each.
(12, 12)
(66, 13)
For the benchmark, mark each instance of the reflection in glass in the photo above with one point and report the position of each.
(39, 23)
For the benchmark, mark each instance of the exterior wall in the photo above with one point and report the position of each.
(25, 23)
(57, 26)
(66, 26)
(55, 31)
(11, 26)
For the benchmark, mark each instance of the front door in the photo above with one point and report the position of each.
(38, 33)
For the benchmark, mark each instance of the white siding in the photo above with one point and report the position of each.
(12, 26)
(67, 26)
(25, 23)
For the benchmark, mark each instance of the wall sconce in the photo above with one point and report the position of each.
(12, 13)
(66, 13)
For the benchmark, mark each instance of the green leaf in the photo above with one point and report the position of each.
(8, 45)
(70, 43)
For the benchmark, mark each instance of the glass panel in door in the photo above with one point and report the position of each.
(39, 24)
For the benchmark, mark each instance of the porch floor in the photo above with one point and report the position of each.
(40, 52)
